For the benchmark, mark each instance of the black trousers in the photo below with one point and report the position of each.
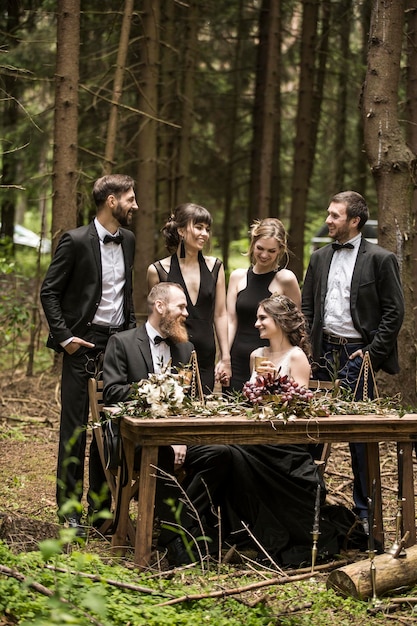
(76, 371)
(207, 472)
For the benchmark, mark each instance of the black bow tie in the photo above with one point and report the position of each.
(114, 239)
(339, 246)
(157, 340)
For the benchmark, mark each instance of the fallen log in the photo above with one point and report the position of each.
(391, 573)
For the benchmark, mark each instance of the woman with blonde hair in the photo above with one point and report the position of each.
(268, 274)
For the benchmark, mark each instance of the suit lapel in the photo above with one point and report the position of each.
(144, 347)
(357, 271)
(95, 246)
(327, 259)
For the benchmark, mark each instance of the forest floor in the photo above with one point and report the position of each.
(29, 420)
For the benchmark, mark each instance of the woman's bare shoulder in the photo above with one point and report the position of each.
(210, 261)
(238, 273)
(166, 263)
(286, 276)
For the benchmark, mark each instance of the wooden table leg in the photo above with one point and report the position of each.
(121, 513)
(374, 473)
(409, 516)
(146, 505)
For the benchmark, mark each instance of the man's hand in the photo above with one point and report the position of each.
(355, 354)
(180, 452)
(75, 344)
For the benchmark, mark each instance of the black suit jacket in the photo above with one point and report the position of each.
(376, 302)
(71, 290)
(128, 359)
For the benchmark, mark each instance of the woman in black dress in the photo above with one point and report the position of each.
(268, 252)
(202, 277)
(273, 488)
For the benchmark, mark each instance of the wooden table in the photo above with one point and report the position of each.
(151, 433)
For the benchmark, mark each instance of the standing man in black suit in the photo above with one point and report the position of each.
(354, 303)
(130, 356)
(87, 297)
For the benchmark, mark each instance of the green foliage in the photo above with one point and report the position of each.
(107, 603)
(85, 591)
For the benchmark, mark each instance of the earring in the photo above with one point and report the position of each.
(182, 249)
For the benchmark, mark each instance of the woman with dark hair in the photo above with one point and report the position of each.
(267, 274)
(202, 277)
(282, 324)
(273, 488)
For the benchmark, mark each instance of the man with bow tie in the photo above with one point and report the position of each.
(354, 303)
(130, 356)
(87, 296)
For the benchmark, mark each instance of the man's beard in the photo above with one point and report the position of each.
(174, 328)
(123, 218)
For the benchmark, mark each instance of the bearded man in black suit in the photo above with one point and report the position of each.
(354, 303)
(130, 356)
(87, 296)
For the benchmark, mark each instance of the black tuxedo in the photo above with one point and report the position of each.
(376, 302)
(70, 295)
(71, 291)
(128, 359)
(377, 311)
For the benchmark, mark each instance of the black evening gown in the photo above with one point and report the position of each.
(273, 490)
(247, 336)
(200, 318)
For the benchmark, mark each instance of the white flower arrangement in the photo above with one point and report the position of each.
(158, 396)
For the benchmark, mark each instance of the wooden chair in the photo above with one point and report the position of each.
(95, 392)
(323, 387)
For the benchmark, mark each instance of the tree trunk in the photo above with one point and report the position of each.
(355, 580)
(168, 136)
(360, 168)
(118, 86)
(147, 152)
(264, 112)
(65, 176)
(393, 167)
(302, 152)
(10, 117)
(344, 22)
(230, 165)
(187, 113)
(275, 209)
(323, 51)
(411, 116)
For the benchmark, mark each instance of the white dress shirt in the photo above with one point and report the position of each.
(110, 310)
(161, 352)
(337, 315)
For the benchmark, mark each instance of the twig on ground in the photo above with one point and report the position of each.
(43, 590)
(223, 593)
(262, 549)
(115, 583)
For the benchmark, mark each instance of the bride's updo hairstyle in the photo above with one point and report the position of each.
(289, 318)
(183, 215)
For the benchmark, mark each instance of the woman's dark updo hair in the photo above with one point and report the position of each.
(183, 215)
(289, 318)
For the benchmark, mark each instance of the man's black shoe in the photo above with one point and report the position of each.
(177, 554)
(74, 521)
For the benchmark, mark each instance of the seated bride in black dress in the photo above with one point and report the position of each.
(273, 487)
